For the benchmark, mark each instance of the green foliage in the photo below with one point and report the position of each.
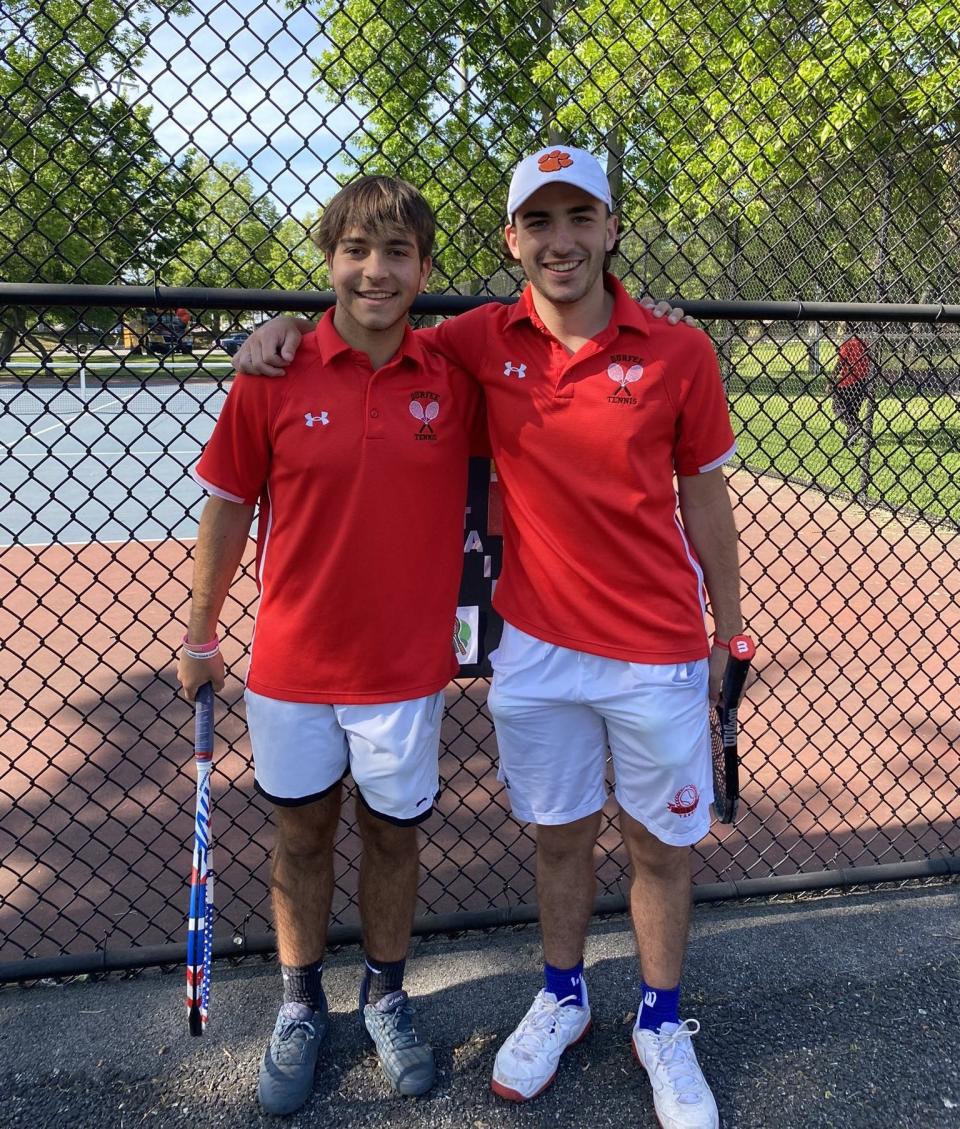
(767, 150)
(85, 193)
(238, 239)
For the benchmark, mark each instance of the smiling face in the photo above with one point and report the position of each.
(376, 276)
(561, 236)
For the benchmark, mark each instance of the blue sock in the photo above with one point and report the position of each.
(564, 983)
(658, 1005)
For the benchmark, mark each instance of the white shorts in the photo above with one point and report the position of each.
(302, 750)
(556, 711)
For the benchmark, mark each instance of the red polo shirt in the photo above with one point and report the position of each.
(586, 447)
(361, 478)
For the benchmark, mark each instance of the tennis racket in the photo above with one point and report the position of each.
(723, 730)
(200, 924)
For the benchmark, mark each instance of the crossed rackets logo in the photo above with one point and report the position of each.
(624, 377)
(426, 414)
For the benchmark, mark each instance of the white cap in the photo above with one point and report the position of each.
(557, 164)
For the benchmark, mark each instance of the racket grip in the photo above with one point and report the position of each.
(203, 722)
(742, 651)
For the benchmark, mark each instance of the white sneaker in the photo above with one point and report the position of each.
(681, 1097)
(527, 1062)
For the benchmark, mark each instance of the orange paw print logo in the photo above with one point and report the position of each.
(554, 161)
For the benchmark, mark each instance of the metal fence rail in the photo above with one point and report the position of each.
(787, 170)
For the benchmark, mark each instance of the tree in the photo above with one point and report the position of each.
(238, 239)
(755, 138)
(85, 193)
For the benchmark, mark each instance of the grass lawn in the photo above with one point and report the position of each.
(914, 456)
(103, 365)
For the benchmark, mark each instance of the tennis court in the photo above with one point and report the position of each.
(103, 464)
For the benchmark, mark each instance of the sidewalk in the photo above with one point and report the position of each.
(828, 1013)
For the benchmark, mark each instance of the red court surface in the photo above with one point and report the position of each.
(850, 733)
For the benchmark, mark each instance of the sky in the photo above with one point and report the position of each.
(235, 81)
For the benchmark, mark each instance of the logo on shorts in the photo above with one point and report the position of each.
(624, 377)
(310, 420)
(685, 801)
(425, 407)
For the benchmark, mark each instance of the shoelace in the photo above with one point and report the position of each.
(675, 1055)
(292, 1025)
(536, 1025)
(402, 1035)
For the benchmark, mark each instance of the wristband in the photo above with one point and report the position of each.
(740, 646)
(201, 650)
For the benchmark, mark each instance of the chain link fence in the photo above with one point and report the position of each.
(758, 154)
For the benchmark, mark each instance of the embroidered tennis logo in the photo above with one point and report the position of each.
(554, 161)
(685, 801)
(425, 408)
(623, 377)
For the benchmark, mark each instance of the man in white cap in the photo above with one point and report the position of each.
(602, 420)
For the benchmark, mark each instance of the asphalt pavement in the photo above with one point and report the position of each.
(834, 1012)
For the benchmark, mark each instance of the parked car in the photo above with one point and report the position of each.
(232, 342)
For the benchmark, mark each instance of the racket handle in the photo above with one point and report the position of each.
(203, 720)
(742, 651)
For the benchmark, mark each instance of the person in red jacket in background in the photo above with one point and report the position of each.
(851, 382)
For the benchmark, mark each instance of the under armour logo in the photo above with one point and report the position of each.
(310, 420)
(509, 369)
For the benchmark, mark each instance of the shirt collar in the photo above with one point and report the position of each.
(627, 312)
(331, 344)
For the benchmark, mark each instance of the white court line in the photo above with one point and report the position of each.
(76, 415)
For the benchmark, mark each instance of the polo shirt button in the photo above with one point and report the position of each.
(374, 414)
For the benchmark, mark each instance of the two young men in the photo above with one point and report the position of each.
(600, 419)
(358, 459)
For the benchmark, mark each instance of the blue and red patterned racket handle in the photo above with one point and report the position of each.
(200, 924)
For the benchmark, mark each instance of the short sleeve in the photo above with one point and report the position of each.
(461, 339)
(705, 438)
(236, 461)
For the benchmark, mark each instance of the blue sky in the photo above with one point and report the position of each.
(235, 80)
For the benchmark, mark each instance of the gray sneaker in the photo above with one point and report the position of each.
(406, 1061)
(286, 1072)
